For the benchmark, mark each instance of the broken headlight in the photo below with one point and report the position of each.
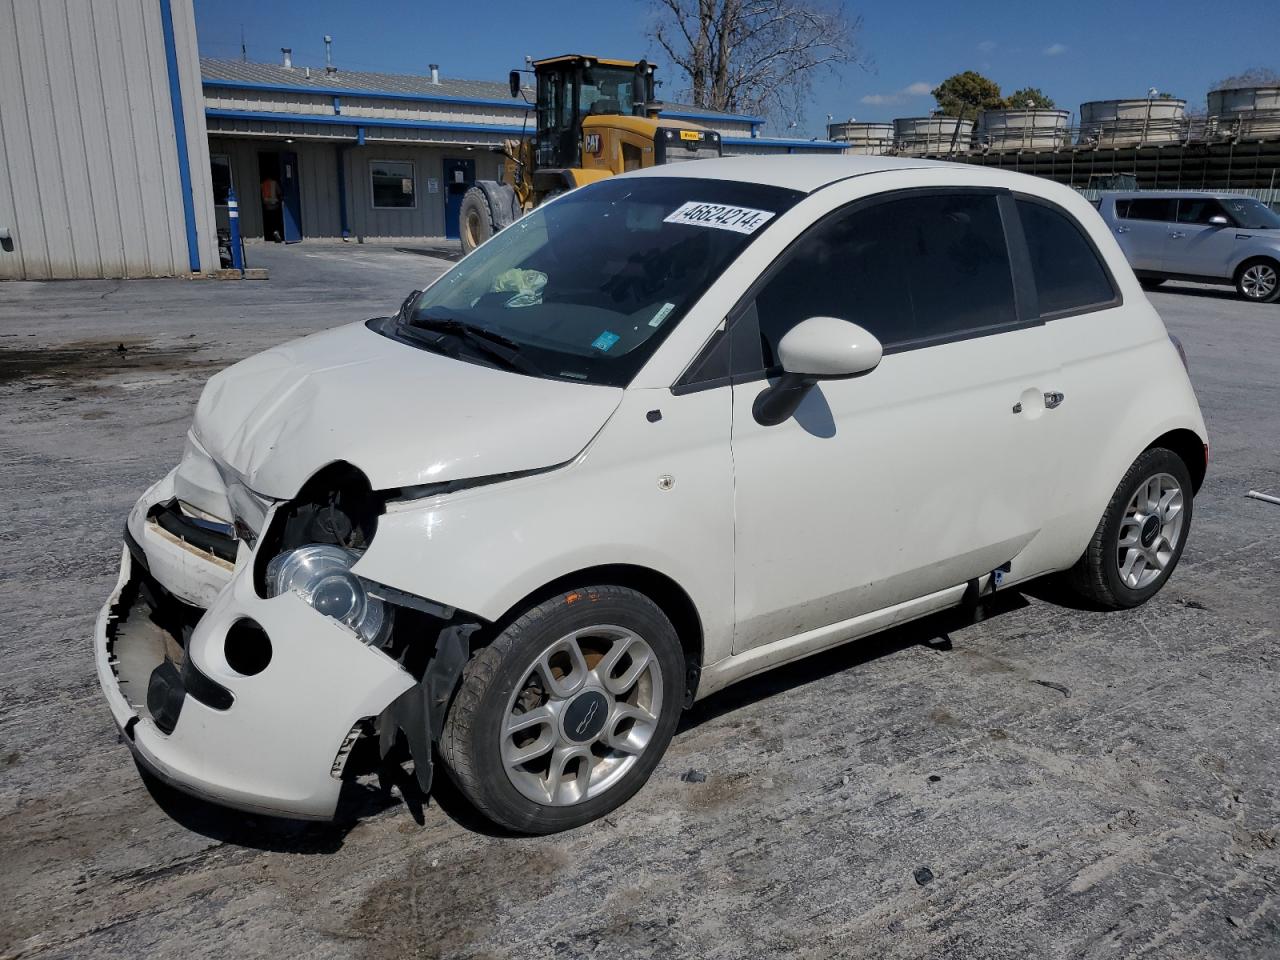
(320, 573)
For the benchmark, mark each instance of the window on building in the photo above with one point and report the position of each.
(393, 183)
(220, 167)
(1146, 208)
(1068, 273)
(910, 271)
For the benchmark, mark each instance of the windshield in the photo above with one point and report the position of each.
(1251, 214)
(586, 287)
(608, 90)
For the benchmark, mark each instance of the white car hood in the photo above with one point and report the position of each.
(403, 415)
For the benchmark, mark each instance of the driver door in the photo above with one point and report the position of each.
(922, 474)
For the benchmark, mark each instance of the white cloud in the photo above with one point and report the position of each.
(1055, 50)
(917, 89)
(986, 46)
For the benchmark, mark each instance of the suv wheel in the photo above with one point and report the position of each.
(566, 713)
(1140, 537)
(1259, 280)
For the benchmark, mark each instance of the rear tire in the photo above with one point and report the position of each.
(475, 219)
(563, 717)
(1139, 540)
(1258, 280)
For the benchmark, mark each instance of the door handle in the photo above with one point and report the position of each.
(1177, 235)
(1053, 400)
(1122, 229)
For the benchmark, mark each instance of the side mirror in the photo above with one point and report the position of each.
(407, 305)
(1219, 221)
(820, 348)
(513, 80)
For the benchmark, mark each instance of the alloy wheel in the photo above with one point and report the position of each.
(1150, 531)
(1259, 281)
(584, 712)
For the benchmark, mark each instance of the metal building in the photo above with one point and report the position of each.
(329, 152)
(102, 140)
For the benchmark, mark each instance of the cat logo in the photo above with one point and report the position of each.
(593, 143)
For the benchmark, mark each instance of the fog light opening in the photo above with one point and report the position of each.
(247, 648)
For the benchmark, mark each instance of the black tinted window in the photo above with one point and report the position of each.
(1199, 210)
(907, 270)
(1068, 273)
(1146, 208)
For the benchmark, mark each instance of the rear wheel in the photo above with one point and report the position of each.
(1259, 280)
(565, 714)
(475, 219)
(1140, 537)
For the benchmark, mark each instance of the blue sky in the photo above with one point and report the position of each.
(1086, 50)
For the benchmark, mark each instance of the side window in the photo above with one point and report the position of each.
(1198, 210)
(910, 271)
(1068, 272)
(1149, 208)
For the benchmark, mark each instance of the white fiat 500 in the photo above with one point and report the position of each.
(665, 432)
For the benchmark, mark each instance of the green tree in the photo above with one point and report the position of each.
(1029, 98)
(964, 94)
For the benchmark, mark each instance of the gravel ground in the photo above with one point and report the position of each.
(1045, 783)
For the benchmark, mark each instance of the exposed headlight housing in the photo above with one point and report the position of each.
(320, 574)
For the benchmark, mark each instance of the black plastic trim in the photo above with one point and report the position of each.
(169, 518)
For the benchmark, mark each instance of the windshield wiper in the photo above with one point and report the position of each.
(489, 342)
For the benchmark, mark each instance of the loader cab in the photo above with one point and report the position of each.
(572, 88)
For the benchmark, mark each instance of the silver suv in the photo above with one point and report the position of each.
(1205, 237)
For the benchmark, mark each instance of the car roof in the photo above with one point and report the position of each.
(804, 172)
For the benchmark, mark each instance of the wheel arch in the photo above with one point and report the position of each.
(671, 598)
(1190, 448)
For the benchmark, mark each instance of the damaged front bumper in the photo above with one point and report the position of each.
(269, 737)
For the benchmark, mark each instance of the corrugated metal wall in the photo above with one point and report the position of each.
(91, 184)
(318, 183)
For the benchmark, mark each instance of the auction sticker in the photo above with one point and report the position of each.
(696, 213)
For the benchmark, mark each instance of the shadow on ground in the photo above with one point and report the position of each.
(396, 787)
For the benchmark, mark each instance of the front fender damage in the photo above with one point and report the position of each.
(419, 712)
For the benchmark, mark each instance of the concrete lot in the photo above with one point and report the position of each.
(1077, 784)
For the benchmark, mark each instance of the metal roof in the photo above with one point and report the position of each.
(239, 71)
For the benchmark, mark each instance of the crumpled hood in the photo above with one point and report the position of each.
(403, 415)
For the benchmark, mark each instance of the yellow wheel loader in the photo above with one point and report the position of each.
(594, 118)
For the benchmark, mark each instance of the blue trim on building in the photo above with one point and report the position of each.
(180, 133)
(347, 120)
(771, 142)
(340, 151)
(210, 84)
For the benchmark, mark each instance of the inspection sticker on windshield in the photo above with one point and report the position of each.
(605, 340)
(695, 213)
(663, 312)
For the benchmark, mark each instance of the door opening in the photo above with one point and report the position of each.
(280, 196)
(459, 175)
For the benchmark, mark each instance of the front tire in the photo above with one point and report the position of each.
(563, 717)
(475, 219)
(1151, 283)
(1258, 280)
(1139, 540)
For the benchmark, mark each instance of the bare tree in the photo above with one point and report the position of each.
(754, 56)
(1253, 77)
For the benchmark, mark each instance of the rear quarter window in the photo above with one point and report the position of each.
(1069, 272)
